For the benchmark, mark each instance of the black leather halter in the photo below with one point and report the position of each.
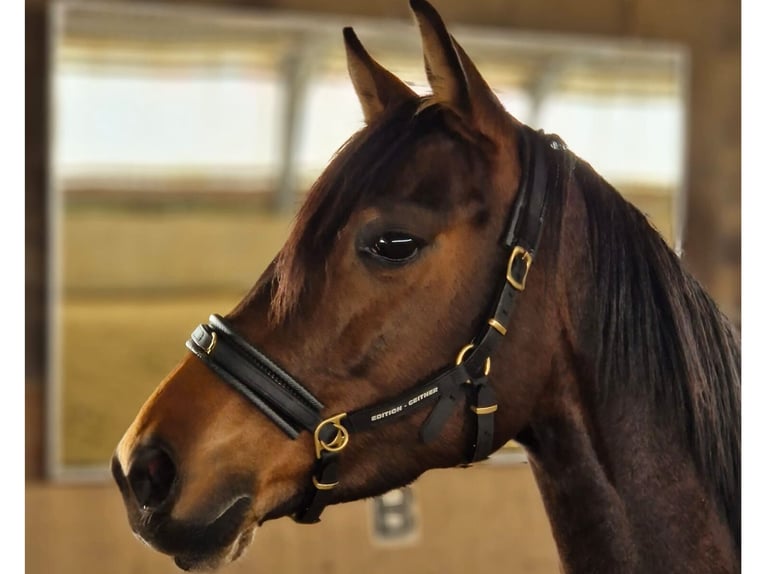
(294, 409)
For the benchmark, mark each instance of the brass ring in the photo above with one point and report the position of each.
(463, 351)
(338, 443)
(461, 356)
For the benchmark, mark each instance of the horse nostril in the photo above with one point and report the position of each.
(151, 476)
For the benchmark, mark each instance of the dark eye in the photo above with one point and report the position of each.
(395, 247)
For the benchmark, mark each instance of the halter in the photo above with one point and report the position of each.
(293, 408)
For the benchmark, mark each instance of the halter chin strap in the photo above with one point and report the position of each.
(294, 409)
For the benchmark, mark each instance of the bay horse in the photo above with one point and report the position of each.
(454, 280)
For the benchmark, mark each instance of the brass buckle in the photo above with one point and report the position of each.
(526, 257)
(461, 356)
(338, 443)
(213, 341)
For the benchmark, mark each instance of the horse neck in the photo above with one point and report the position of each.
(620, 488)
(626, 499)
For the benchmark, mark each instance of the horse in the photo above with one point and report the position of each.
(453, 280)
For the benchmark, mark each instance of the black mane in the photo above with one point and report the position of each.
(660, 336)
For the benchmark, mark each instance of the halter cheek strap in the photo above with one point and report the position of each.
(294, 409)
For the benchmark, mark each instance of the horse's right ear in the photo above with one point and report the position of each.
(453, 77)
(376, 87)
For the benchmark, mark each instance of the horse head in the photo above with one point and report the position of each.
(435, 299)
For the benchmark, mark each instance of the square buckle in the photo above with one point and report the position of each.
(518, 253)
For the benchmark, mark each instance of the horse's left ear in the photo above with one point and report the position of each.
(453, 77)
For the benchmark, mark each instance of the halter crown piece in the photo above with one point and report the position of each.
(294, 409)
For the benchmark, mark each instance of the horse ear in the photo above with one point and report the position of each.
(454, 78)
(376, 87)
(485, 105)
(443, 67)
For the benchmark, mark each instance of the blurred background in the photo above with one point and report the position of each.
(168, 146)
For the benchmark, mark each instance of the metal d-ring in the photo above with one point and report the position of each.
(338, 443)
(461, 356)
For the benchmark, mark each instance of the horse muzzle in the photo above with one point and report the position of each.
(150, 489)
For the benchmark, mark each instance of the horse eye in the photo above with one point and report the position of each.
(395, 247)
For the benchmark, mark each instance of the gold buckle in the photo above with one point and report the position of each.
(213, 341)
(337, 444)
(484, 410)
(461, 356)
(526, 257)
